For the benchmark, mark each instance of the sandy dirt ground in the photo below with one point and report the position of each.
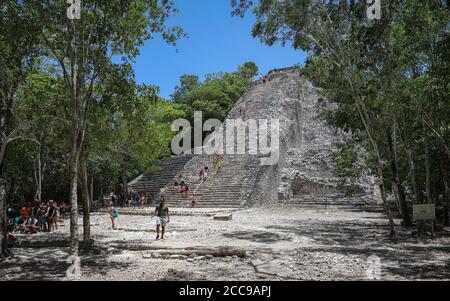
(281, 243)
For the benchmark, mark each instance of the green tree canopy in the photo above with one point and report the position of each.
(217, 94)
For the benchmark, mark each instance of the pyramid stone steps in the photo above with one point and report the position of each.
(150, 183)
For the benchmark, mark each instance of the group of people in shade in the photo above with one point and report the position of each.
(35, 217)
(137, 200)
(161, 211)
(44, 217)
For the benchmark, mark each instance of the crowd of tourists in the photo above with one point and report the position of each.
(136, 200)
(35, 217)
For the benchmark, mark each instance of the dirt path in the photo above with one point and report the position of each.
(282, 243)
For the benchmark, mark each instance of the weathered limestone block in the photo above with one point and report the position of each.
(223, 216)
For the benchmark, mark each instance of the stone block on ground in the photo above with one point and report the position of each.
(223, 216)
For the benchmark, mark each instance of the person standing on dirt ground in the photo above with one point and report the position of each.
(52, 216)
(162, 217)
(113, 214)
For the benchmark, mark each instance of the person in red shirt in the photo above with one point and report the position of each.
(184, 190)
(25, 212)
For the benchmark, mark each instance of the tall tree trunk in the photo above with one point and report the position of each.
(78, 105)
(38, 177)
(368, 125)
(4, 250)
(91, 190)
(446, 200)
(446, 203)
(73, 178)
(102, 196)
(5, 129)
(384, 199)
(124, 181)
(86, 203)
(5, 119)
(5, 115)
(39, 165)
(411, 165)
(400, 190)
(427, 162)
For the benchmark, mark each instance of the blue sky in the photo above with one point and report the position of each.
(216, 42)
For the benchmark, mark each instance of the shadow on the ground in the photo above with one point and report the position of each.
(50, 265)
(99, 265)
(407, 256)
(258, 236)
(45, 264)
(204, 273)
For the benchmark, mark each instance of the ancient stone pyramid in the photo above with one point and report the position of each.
(304, 168)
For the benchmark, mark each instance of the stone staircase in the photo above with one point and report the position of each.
(167, 169)
(222, 189)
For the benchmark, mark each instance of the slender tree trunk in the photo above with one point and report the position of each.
(124, 182)
(446, 200)
(102, 196)
(446, 203)
(39, 189)
(4, 250)
(73, 178)
(5, 120)
(38, 177)
(368, 125)
(4, 125)
(411, 165)
(86, 203)
(91, 190)
(77, 83)
(427, 163)
(384, 199)
(400, 190)
(39, 167)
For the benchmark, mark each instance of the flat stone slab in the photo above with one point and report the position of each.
(223, 216)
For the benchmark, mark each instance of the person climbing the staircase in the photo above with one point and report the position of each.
(194, 201)
(162, 217)
(178, 181)
(184, 190)
(205, 174)
(201, 174)
(218, 161)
